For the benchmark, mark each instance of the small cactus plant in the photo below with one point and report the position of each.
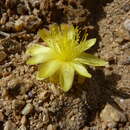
(64, 54)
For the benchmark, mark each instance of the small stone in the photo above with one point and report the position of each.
(39, 125)
(9, 25)
(9, 125)
(110, 114)
(22, 127)
(126, 7)
(55, 90)
(13, 83)
(109, 57)
(5, 93)
(127, 24)
(19, 24)
(126, 61)
(112, 124)
(35, 3)
(4, 18)
(27, 109)
(1, 46)
(51, 127)
(45, 119)
(30, 94)
(36, 11)
(2, 55)
(119, 40)
(122, 100)
(26, 87)
(72, 118)
(43, 95)
(23, 120)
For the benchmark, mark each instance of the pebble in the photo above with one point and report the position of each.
(43, 95)
(45, 119)
(22, 127)
(27, 109)
(30, 94)
(127, 61)
(55, 90)
(19, 24)
(35, 3)
(126, 46)
(9, 125)
(112, 115)
(4, 18)
(126, 7)
(13, 83)
(119, 40)
(3, 55)
(127, 24)
(26, 87)
(39, 125)
(1, 46)
(23, 120)
(5, 93)
(112, 124)
(122, 32)
(9, 25)
(51, 127)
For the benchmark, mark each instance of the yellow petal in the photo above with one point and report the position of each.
(85, 45)
(66, 77)
(37, 49)
(82, 70)
(54, 78)
(89, 59)
(41, 58)
(54, 28)
(35, 60)
(48, 69)
(44, 34)
(70, 32)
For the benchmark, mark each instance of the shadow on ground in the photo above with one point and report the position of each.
(99, 91)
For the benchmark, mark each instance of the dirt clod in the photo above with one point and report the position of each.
(51, 127)
(27, 109)
(22, 127)
(30, 104)
(9, 125)
(23, 120)
(127, 24)
(110, 114)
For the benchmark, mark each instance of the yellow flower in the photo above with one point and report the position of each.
(63, 55)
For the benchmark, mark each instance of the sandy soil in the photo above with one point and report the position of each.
(100, 103)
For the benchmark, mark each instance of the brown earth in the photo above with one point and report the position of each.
(100, 103)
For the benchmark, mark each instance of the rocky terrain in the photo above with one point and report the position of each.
(99, 103)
